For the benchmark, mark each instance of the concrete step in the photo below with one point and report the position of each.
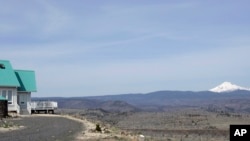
(24, 112)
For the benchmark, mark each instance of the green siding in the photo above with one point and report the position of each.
(7, 75)
(27, 80)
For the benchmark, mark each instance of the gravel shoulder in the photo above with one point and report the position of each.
(87, 133)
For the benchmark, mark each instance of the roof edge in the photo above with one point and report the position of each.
(24, 70)
(5, 60)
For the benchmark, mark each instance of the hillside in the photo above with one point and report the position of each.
(234, 101)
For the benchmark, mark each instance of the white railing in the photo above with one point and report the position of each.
(14, 108)
(43, 105)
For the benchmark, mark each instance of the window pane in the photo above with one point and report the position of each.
(4, 93)
(9, 96)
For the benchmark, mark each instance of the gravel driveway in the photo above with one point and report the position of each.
(43, 128)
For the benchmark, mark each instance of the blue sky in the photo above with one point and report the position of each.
(82, 48)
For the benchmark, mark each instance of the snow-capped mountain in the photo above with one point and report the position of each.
(227, 87)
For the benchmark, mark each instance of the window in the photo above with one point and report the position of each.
(10, 97)
(4, 93)
(2, 66)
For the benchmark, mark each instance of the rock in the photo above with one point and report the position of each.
(141, 138)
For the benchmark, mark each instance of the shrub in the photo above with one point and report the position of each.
(98, 128)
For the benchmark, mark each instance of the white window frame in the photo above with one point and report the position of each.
(8, 95)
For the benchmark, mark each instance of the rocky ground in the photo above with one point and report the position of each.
(177, 124)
